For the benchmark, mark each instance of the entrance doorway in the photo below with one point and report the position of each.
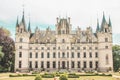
(63, 65)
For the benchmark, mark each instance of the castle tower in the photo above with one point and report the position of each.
(22, 45)
(63, 26)
(105, 46)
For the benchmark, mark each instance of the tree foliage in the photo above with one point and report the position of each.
(116, 57)
(63, 77)
(1, 53)
(8, 48)
(38, 77)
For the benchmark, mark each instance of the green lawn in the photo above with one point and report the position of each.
(5, 76)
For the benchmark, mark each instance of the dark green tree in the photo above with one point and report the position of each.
(8, 48)
(116, 57)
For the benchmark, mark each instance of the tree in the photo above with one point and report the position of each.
(116, 57)
(38, 77)
(63, 77)
(1, 53)
(8, 48)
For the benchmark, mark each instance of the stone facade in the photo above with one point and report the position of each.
(63, 48)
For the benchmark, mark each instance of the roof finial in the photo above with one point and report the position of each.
(23, 20)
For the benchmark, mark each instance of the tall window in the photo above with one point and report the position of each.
(78, 48)
(48, 55)
(58, 54)
(36, 64)
(54, 64)
(48, 48)
(42, 64)
(67, 64)
(21, 39)
(58, 64)
(63, 55)
(48, 64)
(67, 47)
(90, 55)
(54, 48)
(72, 64)
(106, 39)
(36, 48)
(84, 64)
(59, 48)
(42, 48)
(78, 55)
(72, 48)
(96, 48)
(63, 40)
(72, 55)
(30, 54)
(42, 55)
(84, 48)
(36, 55)
(78, 40)
(54, 55)
(20, 54)
(67, 54)
(78, 64)
(90, 48)
(96, 64)
(20, 47)
(107, 59)
(90, 64)
(96, 54)
(106, 47)
(20, 64)
(30, 64)
(84, 54)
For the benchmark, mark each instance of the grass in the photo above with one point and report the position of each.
(5, 76)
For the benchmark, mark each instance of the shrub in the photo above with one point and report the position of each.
(63, 77)
(38, 77)
(46, 75)
(73, 75)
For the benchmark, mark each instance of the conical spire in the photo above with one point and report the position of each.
(97, 29)
(103, 22)
(17, 24)
(29, 28)
(110, 25)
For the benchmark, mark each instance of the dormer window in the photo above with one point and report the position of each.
(63, 40)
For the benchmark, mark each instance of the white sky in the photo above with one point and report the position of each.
(83, 13)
